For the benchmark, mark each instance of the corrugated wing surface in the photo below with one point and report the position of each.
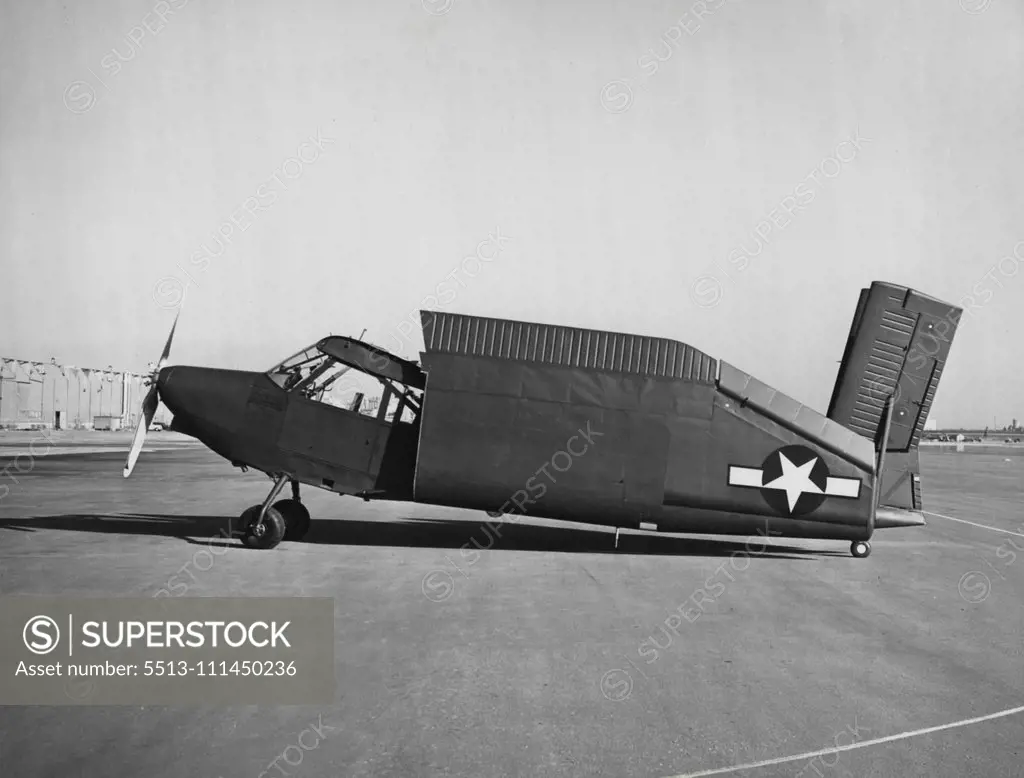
(897, 346)
(454, 333)
(882, 370)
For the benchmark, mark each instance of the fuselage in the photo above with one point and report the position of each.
(664, 456)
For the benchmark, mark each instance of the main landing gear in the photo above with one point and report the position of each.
(860, 548)
(264, 526)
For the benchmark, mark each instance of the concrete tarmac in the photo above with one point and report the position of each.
(548, 653)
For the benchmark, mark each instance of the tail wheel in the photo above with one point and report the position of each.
(860, 548)
(296, 518)
(265, 534)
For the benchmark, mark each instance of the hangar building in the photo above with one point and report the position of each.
(51, 396)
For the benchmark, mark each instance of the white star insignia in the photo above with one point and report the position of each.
(794, 480)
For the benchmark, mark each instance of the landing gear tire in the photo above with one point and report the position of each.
(296, 518)
(265, 534)
(860, 548)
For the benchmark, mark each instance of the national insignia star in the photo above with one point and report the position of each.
(794, 480)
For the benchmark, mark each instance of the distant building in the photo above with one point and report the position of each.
(52, 396)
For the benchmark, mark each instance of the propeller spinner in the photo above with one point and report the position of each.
(149, 405)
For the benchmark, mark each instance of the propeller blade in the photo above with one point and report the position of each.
(149, 406)
(167, 347)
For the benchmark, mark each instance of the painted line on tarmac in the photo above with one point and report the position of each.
(975, 524)
(74, 452)
(853, 746)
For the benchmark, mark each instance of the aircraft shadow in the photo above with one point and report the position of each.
(422, 533)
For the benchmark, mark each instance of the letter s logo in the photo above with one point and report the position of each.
(41, 634)
(79, 97)
(437, 586)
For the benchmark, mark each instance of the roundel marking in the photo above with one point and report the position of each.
(794, 481)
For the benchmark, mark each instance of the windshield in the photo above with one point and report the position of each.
(297, 367)
(313, 374)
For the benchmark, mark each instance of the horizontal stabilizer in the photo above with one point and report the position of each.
(890, 518)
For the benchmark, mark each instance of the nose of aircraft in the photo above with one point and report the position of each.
(207, 403)
(162, 378)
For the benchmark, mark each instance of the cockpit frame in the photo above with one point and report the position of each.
(312, 371)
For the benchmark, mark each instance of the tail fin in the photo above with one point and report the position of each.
(897, 348)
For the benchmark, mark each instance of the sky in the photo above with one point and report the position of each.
(727, 174)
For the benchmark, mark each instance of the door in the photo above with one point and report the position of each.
(333, 447)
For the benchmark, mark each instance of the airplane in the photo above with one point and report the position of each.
(541, 420)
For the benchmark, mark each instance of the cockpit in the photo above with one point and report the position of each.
(310, 371)
(348, 373)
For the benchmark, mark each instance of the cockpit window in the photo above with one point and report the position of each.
(311, 373)
(315, 375)
(297, 367)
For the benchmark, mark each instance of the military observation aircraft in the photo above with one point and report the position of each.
(658, 432)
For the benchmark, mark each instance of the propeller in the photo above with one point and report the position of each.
(149, 404)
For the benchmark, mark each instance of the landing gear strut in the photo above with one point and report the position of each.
(860, 548)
